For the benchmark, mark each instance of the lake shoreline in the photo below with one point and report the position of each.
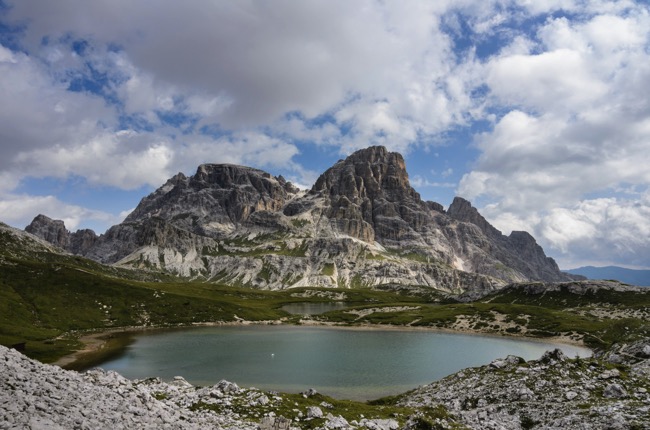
(99, 345)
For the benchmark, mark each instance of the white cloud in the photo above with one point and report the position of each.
(247, 147)
(124, 159)
(37, 111)
(575, 127)
(602, 231)
(20, 210)
(557, 80)
(564, 94)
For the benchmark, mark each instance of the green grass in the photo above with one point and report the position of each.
(328, 269)
(47, 299)
(294, 406)
(299, 223)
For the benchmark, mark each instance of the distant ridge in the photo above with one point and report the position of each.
(628, 276)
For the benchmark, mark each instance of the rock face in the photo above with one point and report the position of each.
(54, 231)
(216, 199)
(369, 197)
(361, 224)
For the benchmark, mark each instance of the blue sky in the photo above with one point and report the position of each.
(535, 111)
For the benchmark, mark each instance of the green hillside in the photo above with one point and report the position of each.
(49, 299)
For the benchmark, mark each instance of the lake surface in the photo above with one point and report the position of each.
(344, 363)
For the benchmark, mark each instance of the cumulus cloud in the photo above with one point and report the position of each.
(579, 127)
(602, 231)
(123, 94)
(19, 210)
(38, 111)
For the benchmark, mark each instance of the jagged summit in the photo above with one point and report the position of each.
(462, 210)
(360, 224)
(54, 232)
(369, 195)
(218, 195)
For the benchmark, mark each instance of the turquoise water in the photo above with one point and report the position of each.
(343, 363)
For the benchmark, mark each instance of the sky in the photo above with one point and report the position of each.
(536, 111)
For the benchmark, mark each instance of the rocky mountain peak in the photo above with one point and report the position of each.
(368, 173)
(462, 210)
(55, 232)
(51, 230)
(215, 199)
(361, 224)
(365, 190)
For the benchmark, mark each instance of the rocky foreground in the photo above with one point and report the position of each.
(555, 392)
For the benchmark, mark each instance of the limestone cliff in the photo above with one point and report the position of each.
(54, 231)
(361, 224)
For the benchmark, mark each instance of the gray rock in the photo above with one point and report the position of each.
(554, 357)
(570, 395)
(314, 412)
(614, 391)
(386, 424)
(609, 374)
(275, 423)
(336, 422)
(525, 394)
(646, 350)
(309, 393)
(210, 223)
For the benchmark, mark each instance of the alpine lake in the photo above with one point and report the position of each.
(345, 363)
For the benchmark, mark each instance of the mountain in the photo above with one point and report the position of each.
(361, 224)
(628, 276)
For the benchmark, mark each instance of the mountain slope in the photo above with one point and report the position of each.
(361, 224)
(629, 276)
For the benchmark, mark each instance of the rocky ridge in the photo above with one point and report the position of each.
(361, 224)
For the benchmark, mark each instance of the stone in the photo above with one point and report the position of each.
(609, 374)
(525, 394)
(309, 393)
(614, 391)
(646, 350)
(336, 422)
(554, 357)
(275, 423)
(570, 395)
(314, 412)
(377, 424)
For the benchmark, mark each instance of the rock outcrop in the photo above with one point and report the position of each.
(55, 232)
(361, 224)
(554, 392)
(38, 396)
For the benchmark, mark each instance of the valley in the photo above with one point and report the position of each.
(234, 246)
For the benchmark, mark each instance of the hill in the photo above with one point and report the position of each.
(629, 276)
